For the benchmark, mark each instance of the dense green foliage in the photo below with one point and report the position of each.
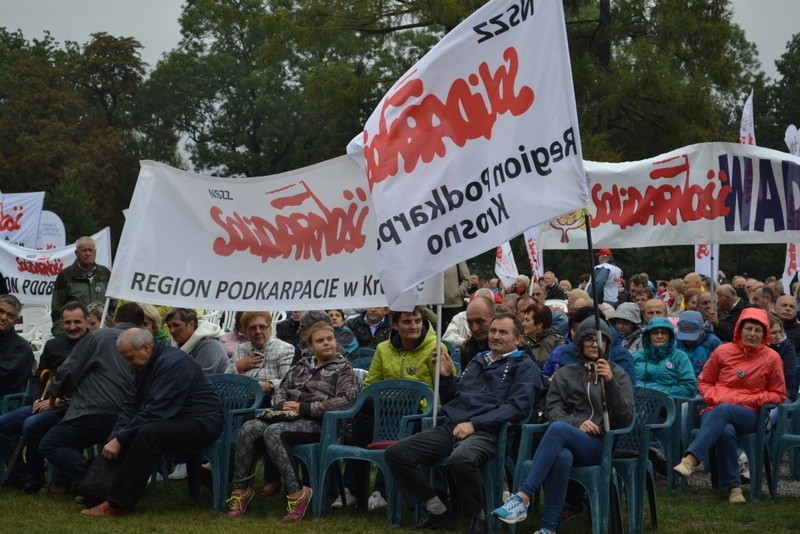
(257, 87)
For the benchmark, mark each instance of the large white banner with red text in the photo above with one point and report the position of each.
(477, 142)
(714, 193)
(20, 214)
(302, 240)
(30, 274)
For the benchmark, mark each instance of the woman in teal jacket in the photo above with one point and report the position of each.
(660, 364)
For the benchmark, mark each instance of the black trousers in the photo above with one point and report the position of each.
(138, 460)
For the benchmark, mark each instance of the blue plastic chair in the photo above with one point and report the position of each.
(362, 362)
(310, 454)
(365, 352)
(671, 439)
(755, 446)
(240, 396)
(785, 438)
(601, 486)
(396, 405)
(653, 410)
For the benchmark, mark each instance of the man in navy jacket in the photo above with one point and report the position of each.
(497, 386)
(172, 407)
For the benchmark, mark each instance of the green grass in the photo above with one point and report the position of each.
(694, 511)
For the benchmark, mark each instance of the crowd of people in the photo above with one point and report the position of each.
(535, 351)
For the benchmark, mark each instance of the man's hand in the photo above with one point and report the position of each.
(590, 428)
(40, 406)
(252, 361)
(112, 449)
(446, 363)
(462, 430)
(604, 370)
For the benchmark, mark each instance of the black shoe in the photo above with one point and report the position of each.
(477, 526)
(31, 486)
(430, 521)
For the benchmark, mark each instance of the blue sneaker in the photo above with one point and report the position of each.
(513, 511)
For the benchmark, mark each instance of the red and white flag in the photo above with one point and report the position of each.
(504, 265)
(535, 255)
(747, 130)
(476, 143)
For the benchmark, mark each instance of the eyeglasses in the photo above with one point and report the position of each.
(659, 332)
(258, 327)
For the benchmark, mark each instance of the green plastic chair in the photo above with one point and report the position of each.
(240, 396)
(785, 438)
(396, 406)
(653, 410)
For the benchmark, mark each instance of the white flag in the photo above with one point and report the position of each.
(20, 214)
(504, 265)
(476, 143)
(792, 139)
(706, 257)
(790, 267)
(747, 130)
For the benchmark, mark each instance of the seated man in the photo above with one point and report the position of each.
(498, 386)
(96, 381)
(200, 340)
(33, 421)
(172, 407)
(371, 327)
(16, 356)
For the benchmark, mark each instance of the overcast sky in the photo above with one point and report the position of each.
(768, 23)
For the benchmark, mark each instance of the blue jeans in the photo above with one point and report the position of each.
(720, 426)
(64, 444)
(32, 427)
(562, 447)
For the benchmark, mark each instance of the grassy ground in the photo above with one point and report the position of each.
(689, 512)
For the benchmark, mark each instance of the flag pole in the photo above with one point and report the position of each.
(438, 362)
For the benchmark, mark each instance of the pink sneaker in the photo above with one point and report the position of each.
(238, 501)
(297, 507)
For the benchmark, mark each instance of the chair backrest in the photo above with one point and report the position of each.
(228, 321)
(392, 401)
(278, 316)
(237, 392)
(33, 317)
(652, 407)
(366, 352)
(212, 316)
(362, 363)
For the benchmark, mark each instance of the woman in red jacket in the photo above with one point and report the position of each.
(737, 380)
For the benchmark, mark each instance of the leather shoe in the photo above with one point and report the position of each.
(104, 509)
(477, 526)
(430, 521)
(270, 489)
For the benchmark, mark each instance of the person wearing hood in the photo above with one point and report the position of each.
(785, 349)
(405, 355)
(538, 333)
(627, 320)
(576, 412)
(660, 364)
(198, 340)
(737, 380)
(695, 339)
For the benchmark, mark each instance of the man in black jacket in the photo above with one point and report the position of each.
(731, 305)
(371, 327)
(34, 420)
(172, 407)
(16, 356)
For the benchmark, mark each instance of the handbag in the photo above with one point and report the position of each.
(96, 484)
(277, 416)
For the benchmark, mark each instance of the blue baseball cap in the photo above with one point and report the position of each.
(690, 326)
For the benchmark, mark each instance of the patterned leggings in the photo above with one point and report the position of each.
(257, 436)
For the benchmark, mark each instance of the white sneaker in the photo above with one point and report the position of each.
(744, 467)
(179, 473)
(349, 498)
(376, 501)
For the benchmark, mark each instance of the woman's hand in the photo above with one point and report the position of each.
(292, 406)
(249, 362)
(604, 370)
(590, 428)
(446, 363)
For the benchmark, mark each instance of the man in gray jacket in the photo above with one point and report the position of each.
(96, 380)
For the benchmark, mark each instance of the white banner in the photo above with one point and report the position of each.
(476, 143)
(535, 255)
(51, 232)
(721, 193)
(790, 267)
(304, 239)
(30, 274)
(504, 265)
(706, 258)
(20, 214)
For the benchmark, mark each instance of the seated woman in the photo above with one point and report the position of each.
(234, 338)
(322, 382)
(200, 340)
(539, 334)
(575, 409)
(660, 364)
(344, 336)
(737, 380)
(785, 349)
